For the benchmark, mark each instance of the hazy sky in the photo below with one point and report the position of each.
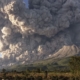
(0, 55)
(26, 2)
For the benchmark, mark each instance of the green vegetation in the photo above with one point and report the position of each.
(74, 65)
(48, 64)
(62, 69)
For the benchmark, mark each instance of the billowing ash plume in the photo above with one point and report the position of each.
(43, 29)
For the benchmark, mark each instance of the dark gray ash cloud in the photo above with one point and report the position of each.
(38, 31)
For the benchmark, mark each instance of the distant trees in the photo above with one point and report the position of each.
(3, 70)
(74, 65)
(46, 74)
(39, 70)
(4, 73)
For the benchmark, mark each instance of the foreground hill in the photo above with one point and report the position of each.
(52, 64)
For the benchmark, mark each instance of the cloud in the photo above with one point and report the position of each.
(38, 31)
(6, 31)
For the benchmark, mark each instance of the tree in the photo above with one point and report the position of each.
(74, 64)
(39, 70)
(46, 74)
(3, 70)
(4, 73)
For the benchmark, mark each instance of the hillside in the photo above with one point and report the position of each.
(48, 64)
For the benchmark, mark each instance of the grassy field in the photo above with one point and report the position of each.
(38, 76)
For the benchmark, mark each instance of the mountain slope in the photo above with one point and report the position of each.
(67, 51)
(48, 64)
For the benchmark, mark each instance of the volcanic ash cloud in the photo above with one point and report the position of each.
(34, 32)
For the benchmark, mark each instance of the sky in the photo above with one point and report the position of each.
(0, 55)
(26, 2)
